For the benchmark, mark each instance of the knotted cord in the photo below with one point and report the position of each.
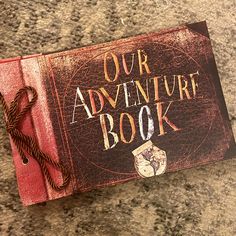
(25, 143)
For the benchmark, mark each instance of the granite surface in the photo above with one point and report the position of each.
(200, 201)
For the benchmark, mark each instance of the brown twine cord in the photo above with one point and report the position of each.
(13, 118)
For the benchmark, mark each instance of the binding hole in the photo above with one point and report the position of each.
(25, 161)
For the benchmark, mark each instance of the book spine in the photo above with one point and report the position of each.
(42, 123)
(30, 179)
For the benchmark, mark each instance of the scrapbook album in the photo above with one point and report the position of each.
(105, 114)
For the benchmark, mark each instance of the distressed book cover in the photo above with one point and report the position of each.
(127, 109)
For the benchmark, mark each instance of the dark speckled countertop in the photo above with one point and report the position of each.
(200, 201)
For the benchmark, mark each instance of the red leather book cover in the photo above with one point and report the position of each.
(127, 109)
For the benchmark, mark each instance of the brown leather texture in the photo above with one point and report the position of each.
(204, 134)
